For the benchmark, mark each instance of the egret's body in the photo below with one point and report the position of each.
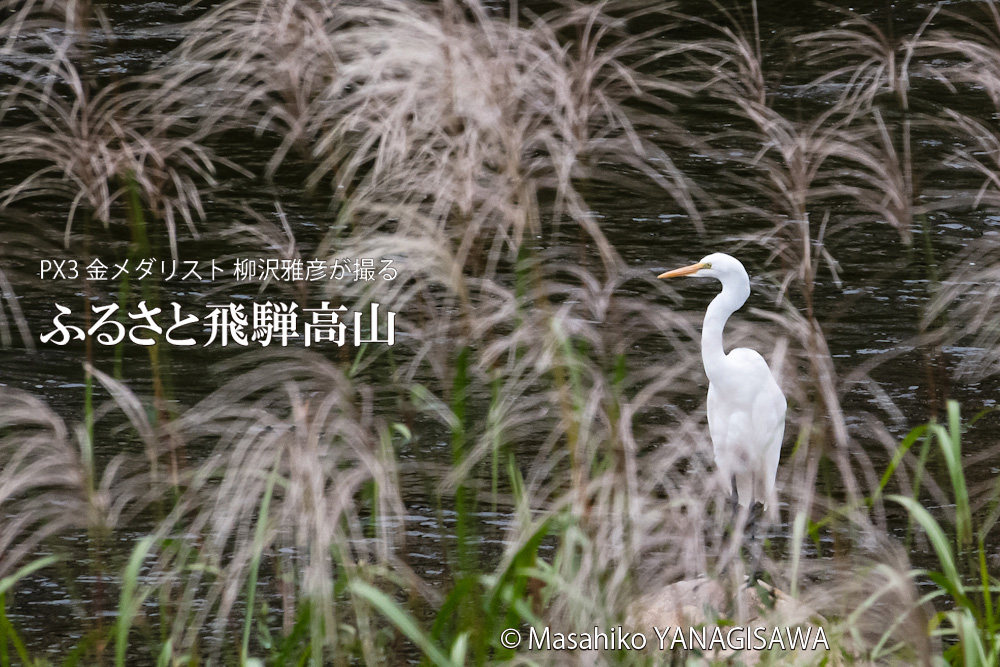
(746, 409)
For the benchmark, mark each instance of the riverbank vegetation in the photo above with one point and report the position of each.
(531, 451)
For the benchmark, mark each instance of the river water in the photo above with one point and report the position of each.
(872, 317)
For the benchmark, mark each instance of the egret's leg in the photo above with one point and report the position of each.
(734, 502)
(756, 512)
(729, 529)
(754, 547)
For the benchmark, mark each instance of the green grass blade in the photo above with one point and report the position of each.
(402, 620)
(951, 447)
(901, 451)
(942, 547)
(129, 603)
(9, 581)
(258, 546)
(7, 632)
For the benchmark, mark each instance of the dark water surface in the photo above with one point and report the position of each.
(873, 316)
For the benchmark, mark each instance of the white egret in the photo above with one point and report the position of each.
(746, 409)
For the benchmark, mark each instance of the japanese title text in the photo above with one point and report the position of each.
(226, 324)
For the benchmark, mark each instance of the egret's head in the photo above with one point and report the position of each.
(718, 265)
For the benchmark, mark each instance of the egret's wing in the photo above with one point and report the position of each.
(730, 423)
(769, 425)
(750, 416)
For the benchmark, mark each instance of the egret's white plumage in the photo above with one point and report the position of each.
(746, 409)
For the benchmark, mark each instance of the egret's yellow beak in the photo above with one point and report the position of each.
(686, 271)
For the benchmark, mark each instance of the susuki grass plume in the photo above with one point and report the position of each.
(89, 142)
(294, 439)
(54, 483)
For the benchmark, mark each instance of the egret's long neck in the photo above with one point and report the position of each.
(732, 298)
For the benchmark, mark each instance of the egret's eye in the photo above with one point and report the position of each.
(708, 265)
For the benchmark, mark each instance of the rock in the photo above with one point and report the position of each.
(706, 620)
